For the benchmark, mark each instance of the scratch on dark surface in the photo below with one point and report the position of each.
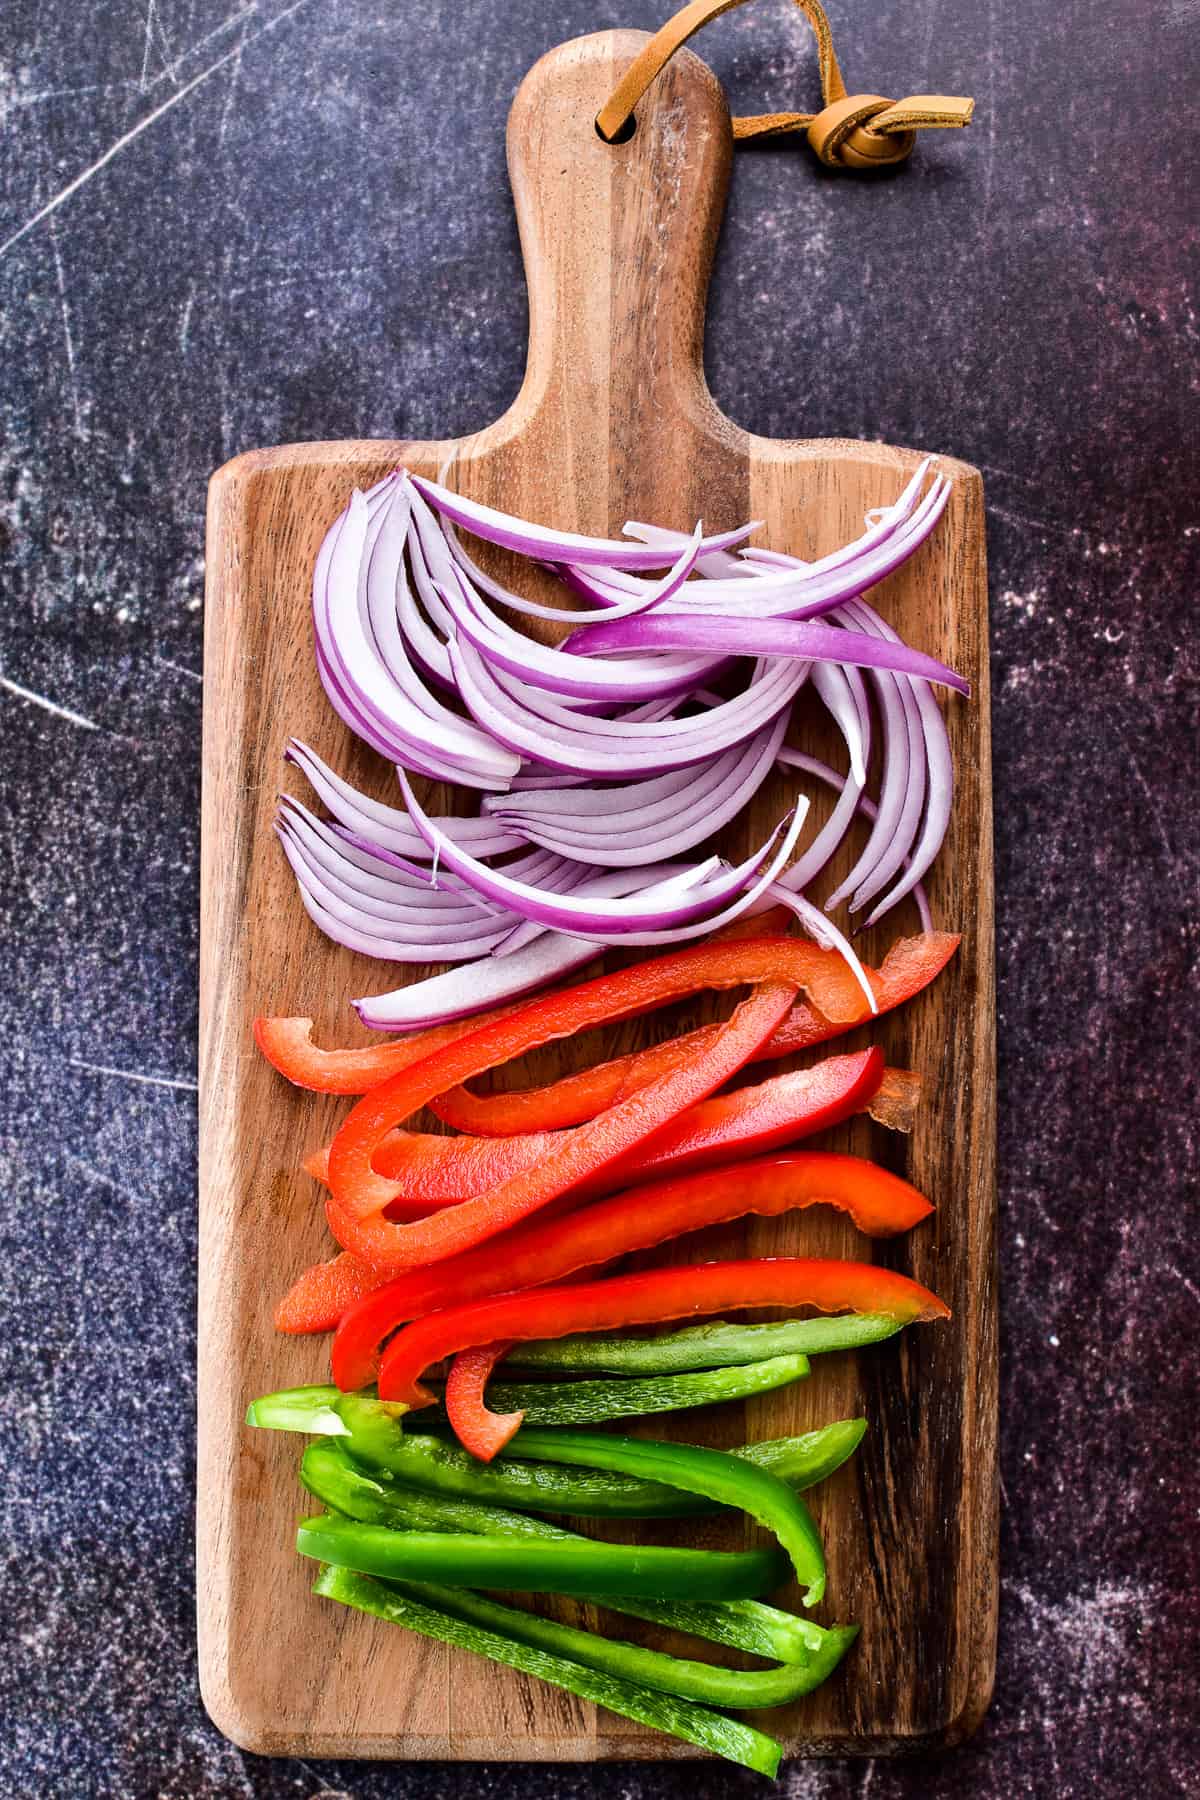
(164, 1081)
(131, 136)
(68, 340)
(192, 674)
(154, 27)
(50, 706)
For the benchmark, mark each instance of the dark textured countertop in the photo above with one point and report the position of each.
(224, 225)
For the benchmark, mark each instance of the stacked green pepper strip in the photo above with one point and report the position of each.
(330, 1474)
(563, 1402)
(704, 1346)
(713, 1474)
(725, 1737)
(375, 1437)
(593, 1402)
(541, 1566)
(742, 1689)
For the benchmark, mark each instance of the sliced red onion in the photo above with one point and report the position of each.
(939, 793)
(367, 869)
(370, 936)
(369, 880)
(810, 640)
(851, 713)
(664, 879)
(650, 594)
(387, 825)
(797, 589)
(811, 765)
(457, 750)
(556, 546)
(614, 749)
(636, 678)
(593, 918)
(420, 634)
(502, 978)
(621, 827)
(787, 834)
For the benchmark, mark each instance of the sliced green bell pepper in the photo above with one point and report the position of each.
(725, 1737)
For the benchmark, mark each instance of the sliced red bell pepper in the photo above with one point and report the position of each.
(910, 965)
(690, 1290)
(287, 1045)
(360, 1195)
(287, 1042)
(478, 1429)
(542, 1250)
(323, 1294)
(441, 1171)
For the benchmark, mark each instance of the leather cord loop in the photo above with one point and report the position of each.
(852, 131)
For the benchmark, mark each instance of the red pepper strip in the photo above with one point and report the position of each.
(543, 1251)
(910, 965)
(360, 1195)
(322, 1294)
(287, 1043)
(691, 1290)
(478, 1429)
(757, 1118)
(441, 1171)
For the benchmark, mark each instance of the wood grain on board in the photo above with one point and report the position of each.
(614, 421)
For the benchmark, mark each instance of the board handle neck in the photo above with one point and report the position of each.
(618, 239)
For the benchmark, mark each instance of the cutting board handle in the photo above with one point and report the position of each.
(618, 243)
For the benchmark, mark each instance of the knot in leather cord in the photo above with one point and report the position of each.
(840, 136)
(852, 131)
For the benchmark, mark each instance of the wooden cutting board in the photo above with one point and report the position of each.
(614, 421)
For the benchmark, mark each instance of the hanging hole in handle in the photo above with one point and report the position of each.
(622, 134)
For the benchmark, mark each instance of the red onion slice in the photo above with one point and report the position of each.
(369, 936)
(648, 594)
(615, 749)
(555, 546)
(787, 834)
(593, 918)
(369, 879)
(939, 794)
(811, 765)
(848, 704)
(807, 639)
(644, 678)
(456, 750)
(387, 825)
(665, 880)
(620, 828)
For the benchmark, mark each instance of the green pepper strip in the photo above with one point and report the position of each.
(557, 1402)
(547, 1566)
(713, 1473)
(725, 1737)
(593, 1402)
(425, 1462)
(330, 1474)
(705, 1346)
(741, 1689)
(299, 1409)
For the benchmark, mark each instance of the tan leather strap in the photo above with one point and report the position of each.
(852, 131)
